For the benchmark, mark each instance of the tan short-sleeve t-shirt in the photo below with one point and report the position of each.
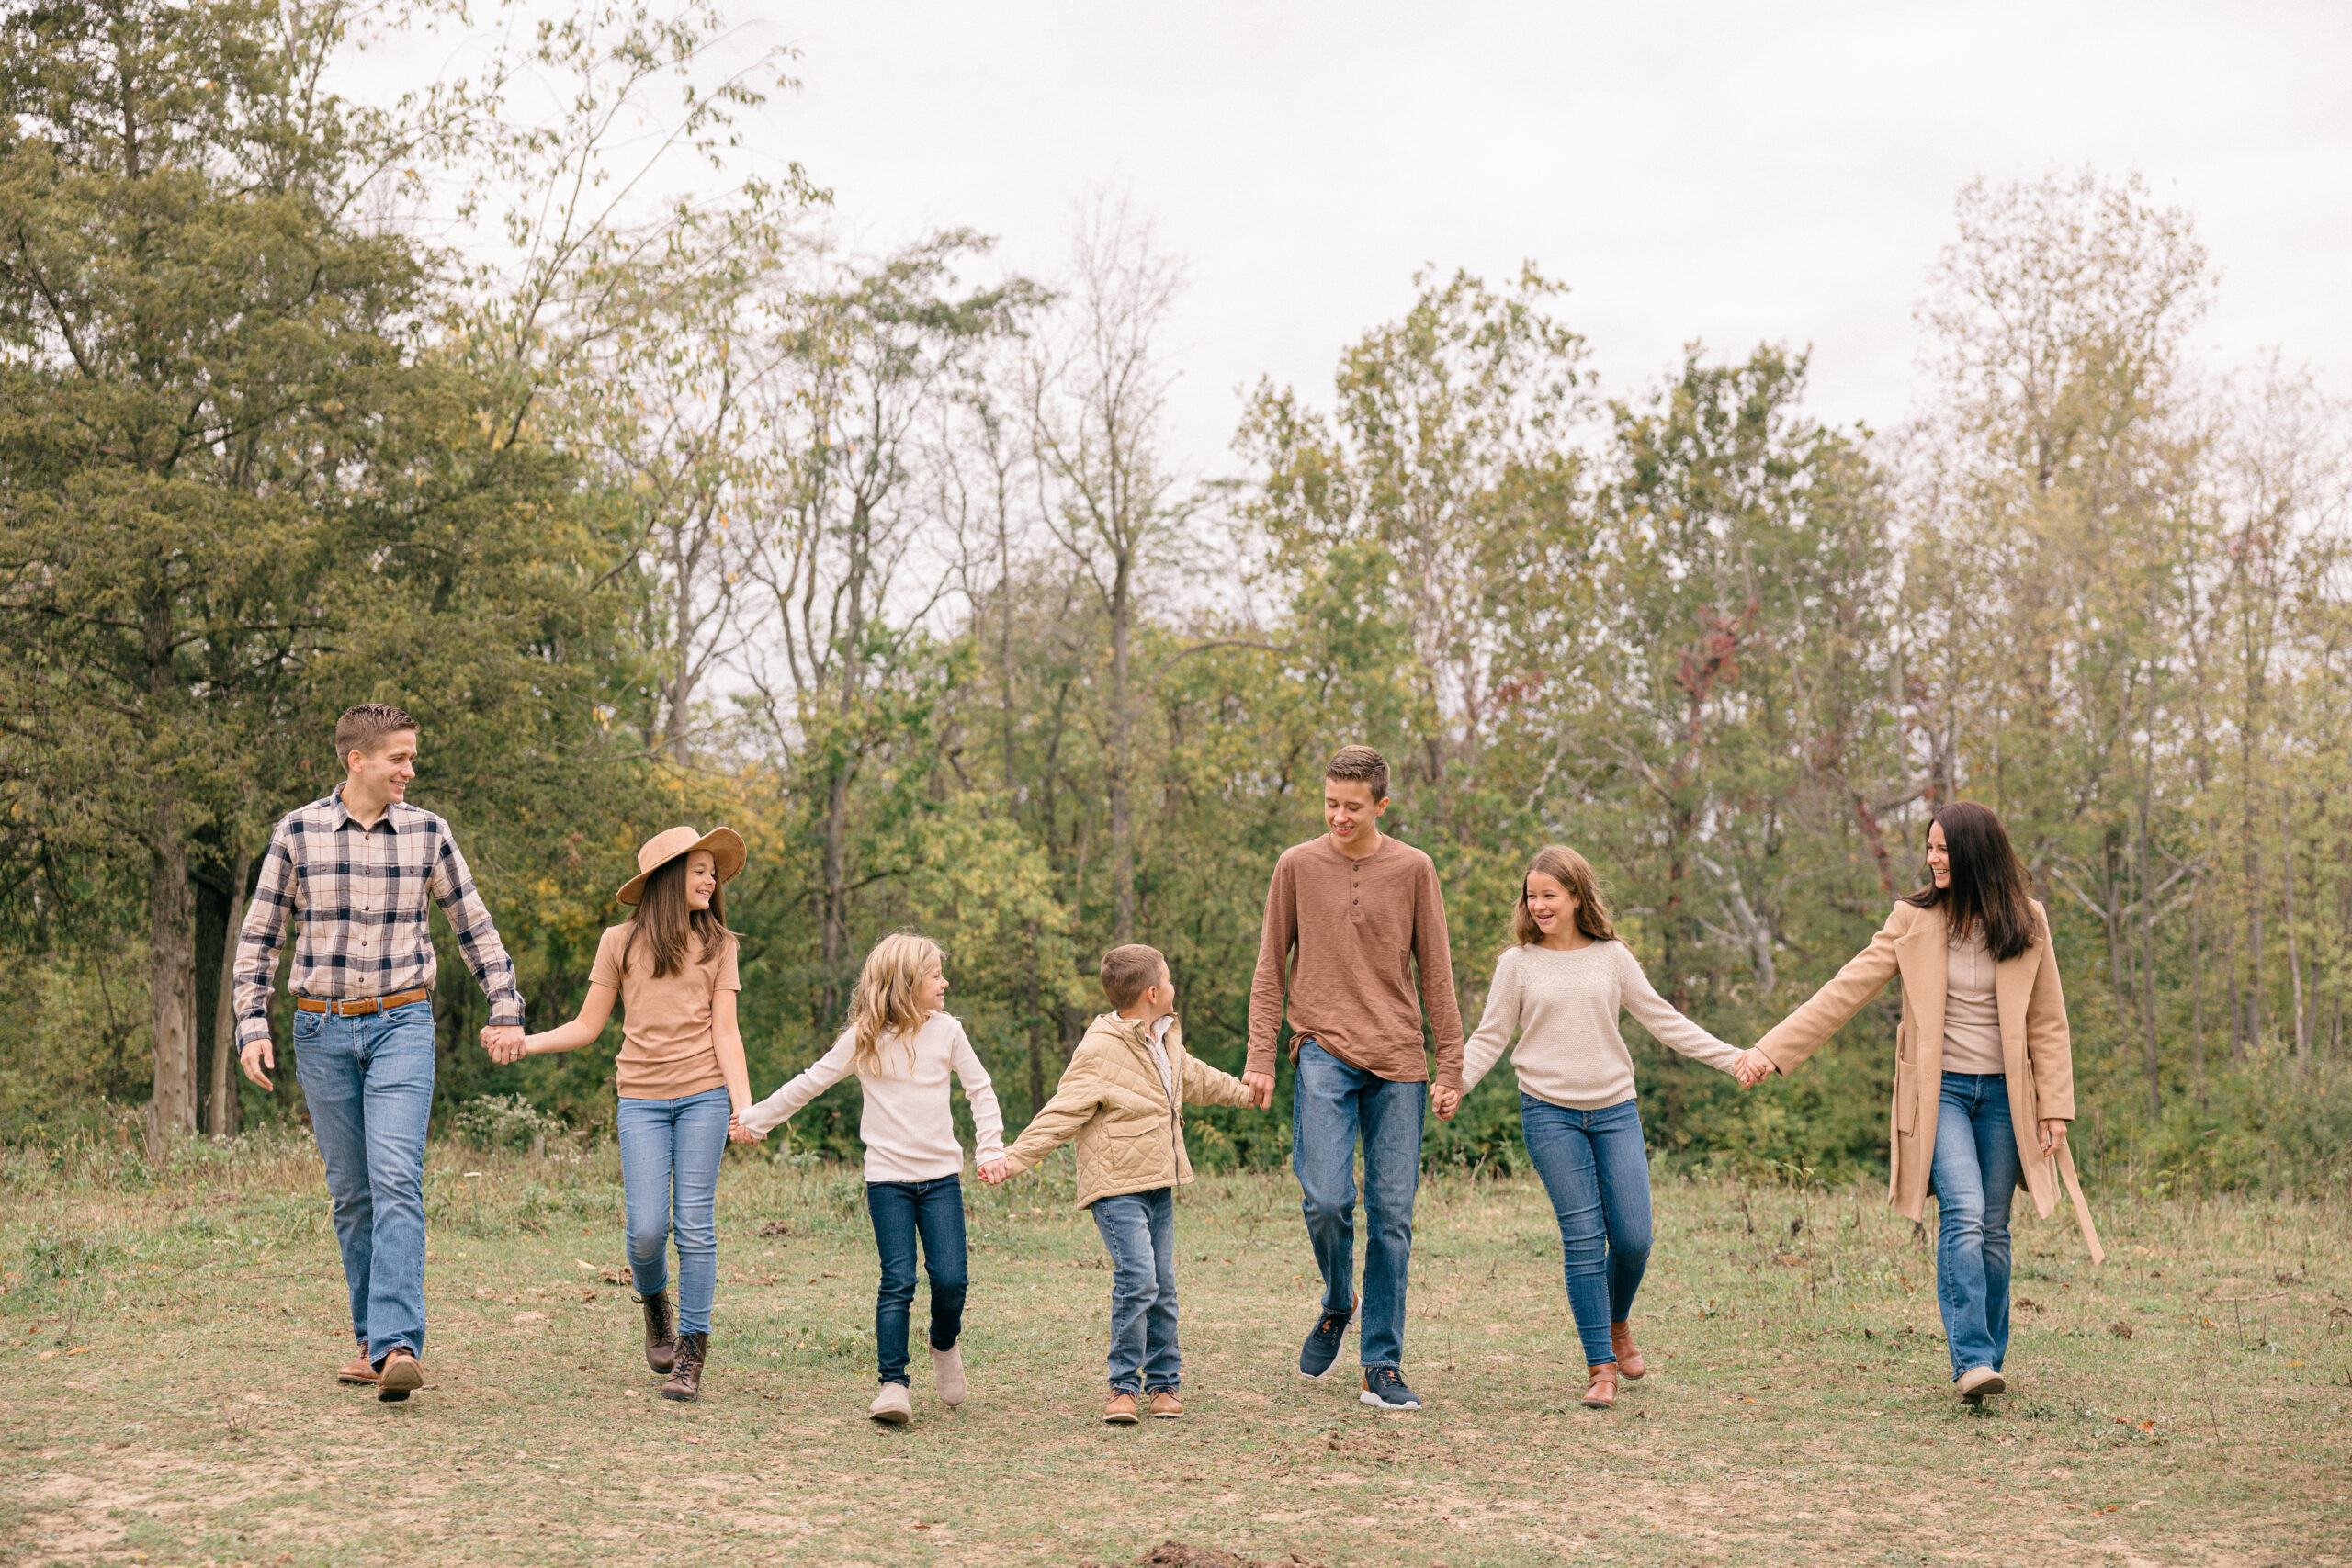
(669, 1048)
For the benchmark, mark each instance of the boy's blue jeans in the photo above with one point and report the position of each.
(1333, 1104)
(902, 1212)
(369, 1084)
(1139, 1229)
(1598, 1175)
(1974, 1174)
(669, 1155)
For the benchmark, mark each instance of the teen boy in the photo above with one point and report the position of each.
(1350, 918)
(1122, 1099)
(354, 871)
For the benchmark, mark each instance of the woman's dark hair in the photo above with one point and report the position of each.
(665, 919)
(1989, 885)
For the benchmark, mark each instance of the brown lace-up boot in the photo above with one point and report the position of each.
(661, 1331)
(1629, 1361)
(686, 1368)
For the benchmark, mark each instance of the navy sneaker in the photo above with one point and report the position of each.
(1322, 1347)
(1385, 1386)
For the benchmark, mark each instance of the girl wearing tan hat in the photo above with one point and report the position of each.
(681, 1076)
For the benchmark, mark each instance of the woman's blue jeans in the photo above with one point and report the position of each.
(1974, 1174)
(902, 1212)
(1597, 1175)
(1140, 1230)
(669, 1155)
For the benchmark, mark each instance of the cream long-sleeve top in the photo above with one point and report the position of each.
(1563, 1006)
(908, 1127)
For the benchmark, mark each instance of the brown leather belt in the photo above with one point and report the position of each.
(362, 1006)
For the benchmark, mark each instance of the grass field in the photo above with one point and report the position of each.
(166, 1396)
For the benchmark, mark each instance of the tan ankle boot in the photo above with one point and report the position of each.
(361, 1371)
(1630, 1364)
(1600, 1390)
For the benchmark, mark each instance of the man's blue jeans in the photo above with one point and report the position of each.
(1139, 1229)
(1598, 1175)
(1331, 1105)
(1974, 1174)
(669, 1155)
(369, 1084)
(901, 1211)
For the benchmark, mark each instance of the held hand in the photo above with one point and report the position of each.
(2053, 1135)
(739, 1133)
(1263, 1084)
(505, 1042)
(995, 1170)
(1446, 1102)
(1751, 1069)
(254, 1057)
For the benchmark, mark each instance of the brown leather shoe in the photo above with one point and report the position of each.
(398, 1377)
(361, 1371)
(1601, 1389)
(661, 1331)
(686, 1368)
(1977, 1382)
(1121, 1410)
(1165, 1405)
(1630, 1364)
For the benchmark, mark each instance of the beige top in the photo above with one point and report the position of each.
(907, 1126)
(669, 1046)
(1972, 1013)
(1125, 1109)
(1562, 1005)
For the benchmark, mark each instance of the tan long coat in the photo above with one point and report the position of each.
(1130, 1138)
(2037, 1052)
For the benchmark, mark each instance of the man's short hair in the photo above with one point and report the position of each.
(365, 728)
(1129, 972)
(1363, 764)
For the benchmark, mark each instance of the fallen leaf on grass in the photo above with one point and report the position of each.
(81, 1349)
(44, 1356)
(587, 1296)
(585, 1264)
(2122, 1330)
(2027, 1304)
(777, 1227)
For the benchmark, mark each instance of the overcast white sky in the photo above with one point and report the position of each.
(1721, 171)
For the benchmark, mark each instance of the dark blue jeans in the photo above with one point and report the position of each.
(669, 1155)
(369, 1084)
(1331, 1105)
(902, 1212)
(1974, 1174)
(1139, 1229)
(1598, 1175)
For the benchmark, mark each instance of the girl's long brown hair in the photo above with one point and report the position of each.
(664, 920)
(1990, 888)
(888, 1000)
(1573, 871)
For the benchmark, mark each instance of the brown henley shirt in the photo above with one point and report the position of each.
(1343, 938)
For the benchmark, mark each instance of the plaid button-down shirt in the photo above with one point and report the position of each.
(359, 894)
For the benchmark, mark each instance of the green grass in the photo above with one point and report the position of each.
(165, 1390)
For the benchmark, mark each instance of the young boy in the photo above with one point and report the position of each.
(1122, 1099)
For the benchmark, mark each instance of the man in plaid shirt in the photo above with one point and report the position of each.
(354, 871)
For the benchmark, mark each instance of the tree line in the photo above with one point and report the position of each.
(602, 454)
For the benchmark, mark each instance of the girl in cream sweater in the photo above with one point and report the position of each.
(1559, 989)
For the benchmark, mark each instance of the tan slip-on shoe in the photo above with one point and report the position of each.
(1630, 1364)
(892, 1404)
(1977, 1382)
(1166, 1407)
(1121, 1410)
(360, 1371)
(398, 1377)
(1601, 1386)
(947, 1375)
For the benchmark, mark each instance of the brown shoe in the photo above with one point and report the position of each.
(1165, 1405)
(1630, 1364)
(398, 1377)
(361, 1371)
(661, 1331)
(1600, 1390)
(1977, 1382)
(1121, 1410)
(686, 1368)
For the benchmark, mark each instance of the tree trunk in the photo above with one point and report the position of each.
(171, 981)
(222, 1122)
(2148, 942)
(2197, 983)
(832, 920)
(2294, 955)
(1122, 859)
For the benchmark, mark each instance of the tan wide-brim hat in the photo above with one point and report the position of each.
(725, 845)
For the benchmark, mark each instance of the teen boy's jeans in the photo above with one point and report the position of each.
(1974, 1174)
(1331, 1105)
(1598, 1175)
(669, 1155)
(1139, 1229)
(369, 1084)
(901, 1211)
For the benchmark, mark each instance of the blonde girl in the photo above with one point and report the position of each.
(681, 1076)
(903, 1047)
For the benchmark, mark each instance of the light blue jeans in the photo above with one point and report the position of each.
(669, 1155)
(1139, 1229)
(1333, 1104)
(369, 1084)
(1974, 1174)
(1598, 1175)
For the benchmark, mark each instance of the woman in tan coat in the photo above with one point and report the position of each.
(1984, 1071)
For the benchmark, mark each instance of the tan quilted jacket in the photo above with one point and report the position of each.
(1130, 1139)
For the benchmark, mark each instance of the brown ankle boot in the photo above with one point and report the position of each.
(1629, 1361)
(661, 1331)
(1601, 1389)
(685, 1370)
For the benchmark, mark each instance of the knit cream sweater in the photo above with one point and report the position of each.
(1563, 1006)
